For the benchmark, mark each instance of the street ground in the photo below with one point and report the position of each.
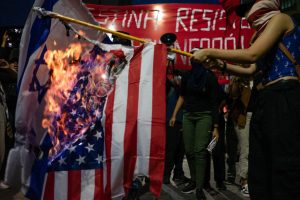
(169, 192)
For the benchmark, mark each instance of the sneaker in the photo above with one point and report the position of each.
(230, 178)
(3, 186)
(245, 191)
(181, 180)
(189, 188)
(221, 186)
(200, 194)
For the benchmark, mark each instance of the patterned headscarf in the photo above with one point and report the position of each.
(261, 12)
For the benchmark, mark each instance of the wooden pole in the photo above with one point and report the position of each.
(121, 35)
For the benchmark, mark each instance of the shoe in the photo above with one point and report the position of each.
(245, 191)
(221, 186)
(230, 178)
(3, 186)
(189, 188)
(200, 194)
(181, 180)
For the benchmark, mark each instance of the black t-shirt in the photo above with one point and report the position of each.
(206, 99)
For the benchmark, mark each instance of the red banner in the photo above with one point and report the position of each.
(195, 25)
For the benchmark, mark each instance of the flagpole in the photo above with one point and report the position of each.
(83, 23)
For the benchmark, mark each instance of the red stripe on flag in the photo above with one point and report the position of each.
(108, 140)
(98, 193)
(157, 148)
(130, 136)
(74, 184)
(49, 188)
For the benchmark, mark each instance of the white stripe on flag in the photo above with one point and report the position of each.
(61, 185)
(145, 112)
(118, 130)
(44, 185)
(87, 184)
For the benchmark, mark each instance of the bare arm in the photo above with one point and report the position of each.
(179, 103)
(239, 70)
(277, 26)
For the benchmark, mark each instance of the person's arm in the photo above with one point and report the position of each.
(276, 28)
(236, 69)
(179, 103)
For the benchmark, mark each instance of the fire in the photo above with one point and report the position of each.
(79, 82)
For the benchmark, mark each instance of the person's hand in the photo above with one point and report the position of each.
(172, 121)
(211, 63)
(215, 133)
(201, 56)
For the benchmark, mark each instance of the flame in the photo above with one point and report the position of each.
(79, 81)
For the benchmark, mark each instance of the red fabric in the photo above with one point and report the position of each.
(130, 138)
(74, 187)
(49, 188)
(158, 113)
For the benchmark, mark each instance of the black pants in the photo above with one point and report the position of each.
(274, 151)
(218, 157)
(231, 148)
(174, 151)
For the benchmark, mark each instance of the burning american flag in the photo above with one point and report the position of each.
(90, 118)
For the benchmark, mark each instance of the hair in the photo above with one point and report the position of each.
(118, 40)
(243, 8)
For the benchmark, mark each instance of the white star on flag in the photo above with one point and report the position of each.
(80, 160)
(90, 147)
(72, 148)
(62, 161)
(98, 135)
(99, 159)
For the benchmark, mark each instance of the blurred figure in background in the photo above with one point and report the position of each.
(240, 91)
(174, 140)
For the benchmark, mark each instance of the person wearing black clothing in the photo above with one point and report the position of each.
(174, 140)
(218, 153)
(199, 91)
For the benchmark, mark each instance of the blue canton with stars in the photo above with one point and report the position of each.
(276, 64)
(85, 153)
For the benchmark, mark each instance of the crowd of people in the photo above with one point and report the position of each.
(8, 95)
(264, 116)
(199, 110)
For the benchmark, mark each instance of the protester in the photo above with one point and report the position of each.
(275, 129)
(199, 95)
(240, 91)
(6, 132)
(218, 153)
(174, 139)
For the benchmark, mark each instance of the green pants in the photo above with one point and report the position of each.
(196, 136)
